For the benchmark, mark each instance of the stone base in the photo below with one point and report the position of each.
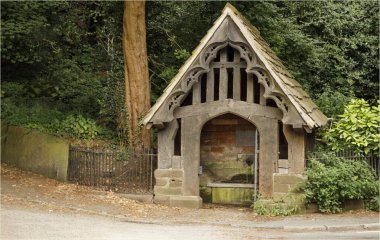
(169, 189)
(179, 201)
(356, 204)
(284, 190)
(284, 183)
(311, 208)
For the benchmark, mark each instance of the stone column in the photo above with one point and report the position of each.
(296, 148)
(180, 187)
(165, 141)
(190, 149)
(268, 152)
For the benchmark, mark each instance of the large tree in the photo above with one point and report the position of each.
(137, 87)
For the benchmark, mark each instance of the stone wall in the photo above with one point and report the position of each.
(34, 151)
(223, 152)
(283, 184)
(169, 191)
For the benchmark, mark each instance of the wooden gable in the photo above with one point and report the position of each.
(251, 52)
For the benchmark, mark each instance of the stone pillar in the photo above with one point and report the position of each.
(169, 189)
(268, 152)
(190, 149)
(177, 183)
(296, 148)
(165, 141)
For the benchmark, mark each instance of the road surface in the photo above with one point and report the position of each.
(44, 224)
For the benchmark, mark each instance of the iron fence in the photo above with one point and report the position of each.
(372, 159)
(126, 171)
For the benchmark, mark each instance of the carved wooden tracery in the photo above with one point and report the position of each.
(202, 66)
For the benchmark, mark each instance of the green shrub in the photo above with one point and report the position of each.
(274, 208)
(331, 181)
(357, 129)
(332, 102)
(13, 89)
(373, 204)
(45, 117)
(29, 114)
(79, 127)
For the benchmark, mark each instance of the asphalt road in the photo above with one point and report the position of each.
(24, 224)
(42, 224)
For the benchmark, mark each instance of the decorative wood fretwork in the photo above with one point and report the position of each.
(230, 69)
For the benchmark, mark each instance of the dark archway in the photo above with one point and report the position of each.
(228, 161)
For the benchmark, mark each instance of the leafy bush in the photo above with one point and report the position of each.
(331, 181)
(44, 117)
(332, 102)
(80, 127)
(273, 208)
(373, 204)
(357, 129)
(30, 114)
(12, 89)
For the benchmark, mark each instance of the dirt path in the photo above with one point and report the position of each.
(27, 190)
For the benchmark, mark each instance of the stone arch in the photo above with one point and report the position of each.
(230, 111)
(228, 158)
(191, 147)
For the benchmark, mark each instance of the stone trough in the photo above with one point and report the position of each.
(231, 193)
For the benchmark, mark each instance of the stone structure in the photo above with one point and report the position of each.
(34, 151)
(232, 101)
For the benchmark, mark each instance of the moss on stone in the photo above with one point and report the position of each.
(232, 195)
(206, 194)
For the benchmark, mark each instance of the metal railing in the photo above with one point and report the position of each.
(372, 159)
(126, 171)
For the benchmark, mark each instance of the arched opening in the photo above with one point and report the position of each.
(229, 160)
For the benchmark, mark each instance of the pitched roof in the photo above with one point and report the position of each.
(309, 112)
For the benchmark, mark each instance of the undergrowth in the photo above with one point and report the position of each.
(51, 118)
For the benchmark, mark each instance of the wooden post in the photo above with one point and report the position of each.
(250, 92)
(210, 86)
(223, 82)
(237, 77)
(196, 93)
(263, 101)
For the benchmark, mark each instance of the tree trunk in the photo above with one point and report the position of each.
(137, 87)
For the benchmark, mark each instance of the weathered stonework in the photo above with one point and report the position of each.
(285, 191)
(222, 156)
(34, 151)
(232, 84)
(169, 189)
(284, 183)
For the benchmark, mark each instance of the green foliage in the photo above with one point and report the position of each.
(69, 53)
(332, 180)
(357, 128)
(182, 54)
(332, 102)
(13, 89)
(373, 204)
(274, 208)
(29, 114)
(79, 127)
(38, 115)
(66, 54)
(325, 44)
(344, 37)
